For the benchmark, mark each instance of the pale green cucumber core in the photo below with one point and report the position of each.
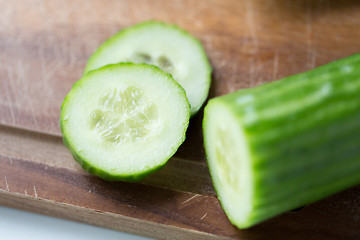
(229, 162)
(162, 62)
(124, 115)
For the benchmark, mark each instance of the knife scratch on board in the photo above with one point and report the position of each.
(33, 116)
(253, 36)
(275, 66)
(189, 199)
(9, 102)
(22, 73)
(203, 216)
(6, 184)
(252, 26)
(44, 69)
(252, 71)
(311, 51)
(231, 84)
(35, 192)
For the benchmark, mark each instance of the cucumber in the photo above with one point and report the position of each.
(167, 46)
(124, 121)
(285, 144)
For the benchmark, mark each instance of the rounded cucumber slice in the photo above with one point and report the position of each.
(124, 121)
(167, 46)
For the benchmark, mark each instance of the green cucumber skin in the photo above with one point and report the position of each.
(84, 163)
(304, 136)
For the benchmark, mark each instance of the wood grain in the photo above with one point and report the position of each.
(158, 207)
(44, 46)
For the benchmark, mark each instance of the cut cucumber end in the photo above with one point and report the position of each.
(167, 46)
(124, 121)
(285, 144)
(229, 162)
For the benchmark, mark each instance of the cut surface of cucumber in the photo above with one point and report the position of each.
(285, 144)
(226, 145)
(167, 46)
(124, 121)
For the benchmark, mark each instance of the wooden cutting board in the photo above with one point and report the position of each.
(44, 46)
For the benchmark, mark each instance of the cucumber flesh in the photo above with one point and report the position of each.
(229, 161)
(285, 144)
(167, 46)
(124, 121)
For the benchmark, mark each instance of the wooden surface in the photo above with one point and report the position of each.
(44, 46)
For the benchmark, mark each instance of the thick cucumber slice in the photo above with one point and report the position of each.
(124, 121)
(284, 144)
(166, 46)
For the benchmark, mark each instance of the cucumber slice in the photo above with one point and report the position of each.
(285, 144)
(124, 121)
(167, 46)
